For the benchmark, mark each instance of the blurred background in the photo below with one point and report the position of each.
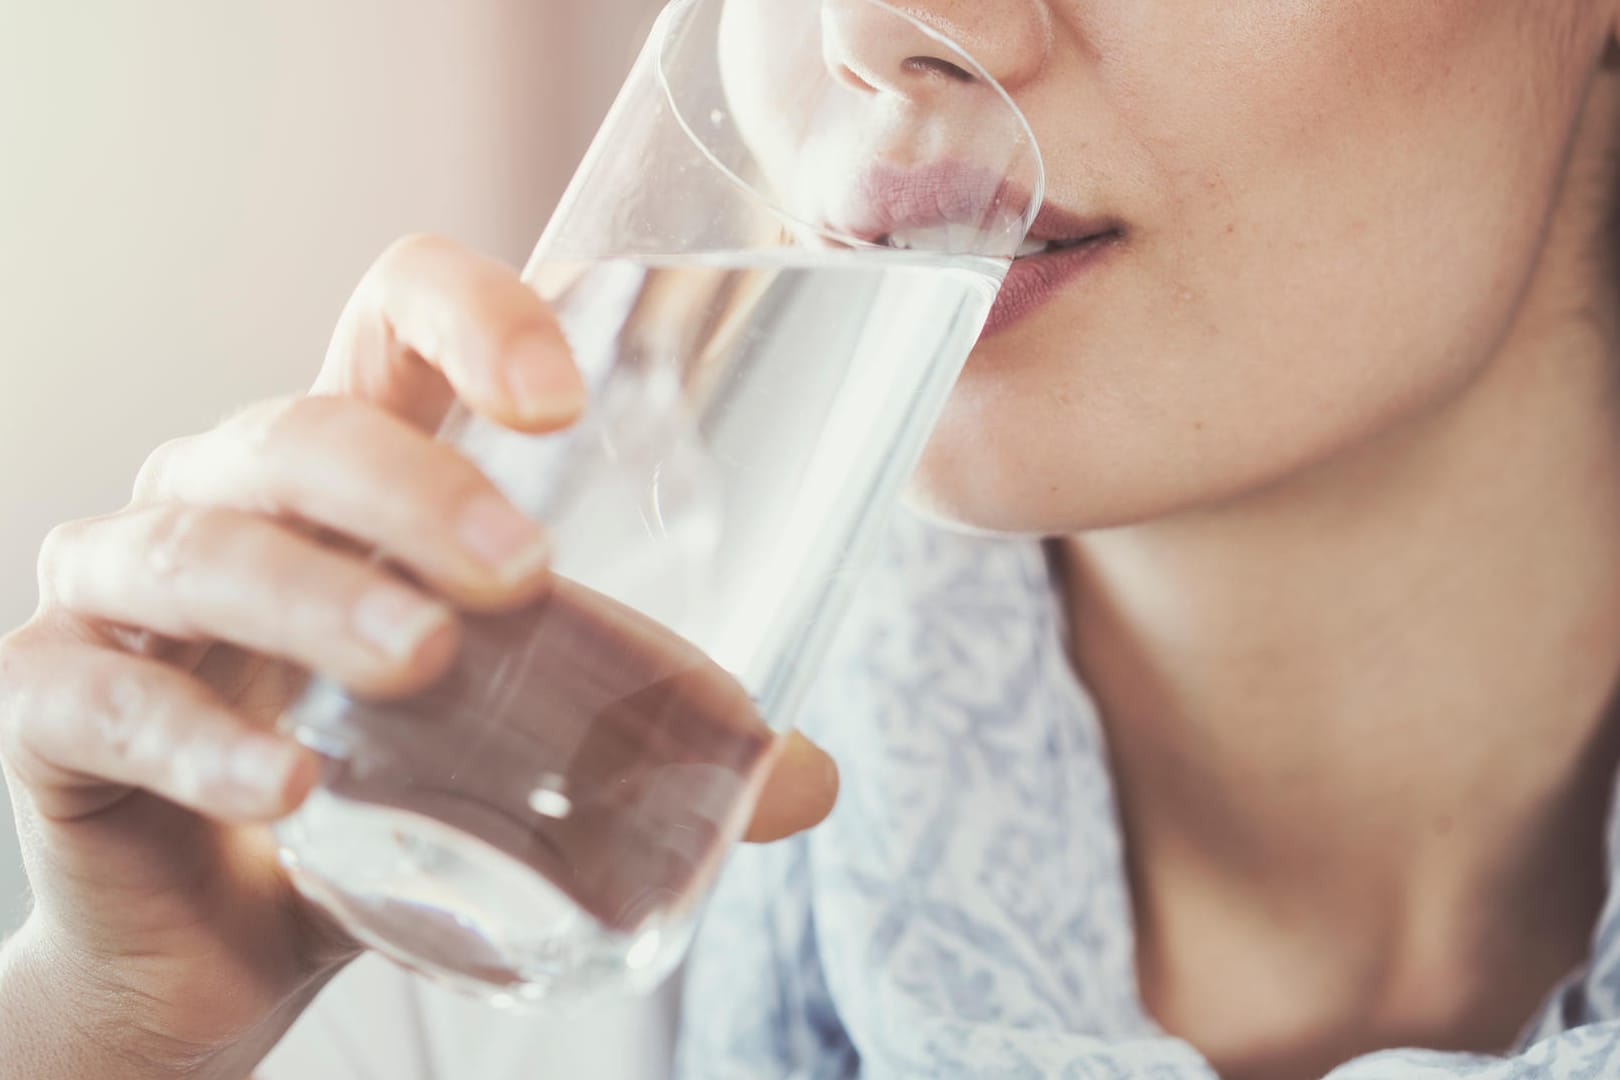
(189, 190)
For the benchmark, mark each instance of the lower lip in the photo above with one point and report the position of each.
(1037, 279)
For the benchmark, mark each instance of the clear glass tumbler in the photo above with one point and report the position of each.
(771, 267)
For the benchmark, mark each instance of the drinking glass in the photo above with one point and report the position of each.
(770, 267)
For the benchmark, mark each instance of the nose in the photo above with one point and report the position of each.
(873, 50)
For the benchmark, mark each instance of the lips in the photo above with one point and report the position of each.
(1035, 279)
(951, 208)
(946, 207)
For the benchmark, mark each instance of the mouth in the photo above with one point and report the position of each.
(1059, 250)
(1056, 230)
(946, 208)
(950, 208)
(1034, 249)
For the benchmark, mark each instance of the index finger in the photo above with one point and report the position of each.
(432, 322)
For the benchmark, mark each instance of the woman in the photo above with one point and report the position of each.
(1324, 443)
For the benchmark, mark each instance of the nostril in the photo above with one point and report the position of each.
(847, 75)
(933, 65)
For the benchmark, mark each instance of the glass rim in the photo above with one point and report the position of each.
(677, 10)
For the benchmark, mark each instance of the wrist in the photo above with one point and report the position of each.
(60, 1019)
(55, 1025)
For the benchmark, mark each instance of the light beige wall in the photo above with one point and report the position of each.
(189, 188)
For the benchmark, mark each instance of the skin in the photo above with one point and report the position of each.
(165, 940)
(1329, 451)
(1327, 448)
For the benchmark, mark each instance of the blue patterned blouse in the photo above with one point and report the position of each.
(965, 912)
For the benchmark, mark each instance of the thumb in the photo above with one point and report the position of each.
(798, 793)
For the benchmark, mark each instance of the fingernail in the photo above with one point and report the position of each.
(511, 545)
(545, 386)
(260, 767)
(396, 620)
(829, 773)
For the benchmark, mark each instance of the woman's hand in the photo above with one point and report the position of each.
(136, 706)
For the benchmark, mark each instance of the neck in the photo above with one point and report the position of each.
(1375, 693)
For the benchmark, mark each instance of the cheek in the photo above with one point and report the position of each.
(1339, 153)
(1334, 210)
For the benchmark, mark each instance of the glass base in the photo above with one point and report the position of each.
(450, 907)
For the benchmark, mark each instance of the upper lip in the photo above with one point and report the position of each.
(888, 199)
(1054, 224)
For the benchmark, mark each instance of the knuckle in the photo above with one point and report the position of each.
(151, 480)
(14, 738)
(298, 444)
(277, 439)
(132, 719)
(14, 666)
(46, 728)
(114, 702)
(91, 711)
(56, 554)
(409, 251)
(178, 538)
(286, 423)
(267, 425)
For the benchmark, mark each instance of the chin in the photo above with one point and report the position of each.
(1003, 459)
(1030, 480)
(976, 503)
